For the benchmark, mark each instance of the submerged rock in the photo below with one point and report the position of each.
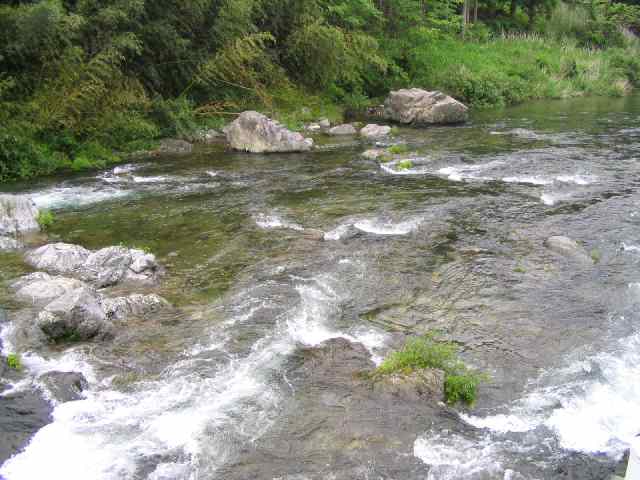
(41, 288)
(256, 133)
(18, 215)
(373, 131)
(76, 315)
(344, 129)
(420, 107)
(173, 146)
(373, 153)
(64, 386)
(102, 268)
(138, 305)
(567, 247)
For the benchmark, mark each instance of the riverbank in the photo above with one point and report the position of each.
(484, 71)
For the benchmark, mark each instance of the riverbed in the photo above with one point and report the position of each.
(453, 244)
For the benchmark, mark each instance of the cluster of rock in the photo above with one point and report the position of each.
(67, 292)
(18, 215)
(256, 133)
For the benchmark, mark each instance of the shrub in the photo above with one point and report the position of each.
(461, 383)
(13, 361)
(45, 219)
(398, 149)
(405, 165)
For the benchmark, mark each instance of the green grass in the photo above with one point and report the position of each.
(461, 383)
(405, 165)
(45, 219)
(13, 361)
(515, 68)
(398, 149)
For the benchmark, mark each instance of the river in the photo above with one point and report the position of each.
(453, 244)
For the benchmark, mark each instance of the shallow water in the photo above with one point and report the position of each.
(454, 243)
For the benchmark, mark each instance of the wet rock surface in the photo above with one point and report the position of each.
(21, 415)
(64, 386)
(337, 423)
(568, 248)
(420, 107)
(255, 133)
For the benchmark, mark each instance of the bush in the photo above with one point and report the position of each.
(45, 219)
(13, 361)
(22, 157)
(175, 117)
(461, 383)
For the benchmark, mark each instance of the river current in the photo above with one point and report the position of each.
(453, 244)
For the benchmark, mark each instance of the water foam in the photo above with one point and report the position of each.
(106, 435)
(587, 415)
(380, 227)
(75, 196)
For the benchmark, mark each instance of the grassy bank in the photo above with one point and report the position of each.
(84, 84)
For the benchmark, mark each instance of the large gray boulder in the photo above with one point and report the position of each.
(137, 305)
(77, 315)
(63, 258)
(102, 268)
(64, 386)
(18, 215)
(420, 107)
(40, 288)
(256, 133)
(569, 248)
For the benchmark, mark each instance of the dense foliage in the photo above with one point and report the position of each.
(84, 81)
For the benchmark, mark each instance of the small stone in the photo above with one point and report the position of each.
(344, 129)
(373, 131)
(324, 123)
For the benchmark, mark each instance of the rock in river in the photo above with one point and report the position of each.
(64, 386)
(569, 248)
(102, 268)
(18, 215)
(77, 315)
(138, 305)
(420, 107)
(344, 129)
(373, 131)
(40, 288)
(256, 133)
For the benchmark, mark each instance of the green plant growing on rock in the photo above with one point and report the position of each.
(398, 149)
(45, 219)
(461, 383)
(13, 361)
(596, 256)
(405, 165)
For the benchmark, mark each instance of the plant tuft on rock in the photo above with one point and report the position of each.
(13, 361)
(45, 219)
(426, 352)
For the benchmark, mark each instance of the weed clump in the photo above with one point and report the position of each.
(461, 383)
(45, 219)
(398, 149)
(13, 361)
(405, 165)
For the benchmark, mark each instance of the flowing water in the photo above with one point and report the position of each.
(454, 244)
